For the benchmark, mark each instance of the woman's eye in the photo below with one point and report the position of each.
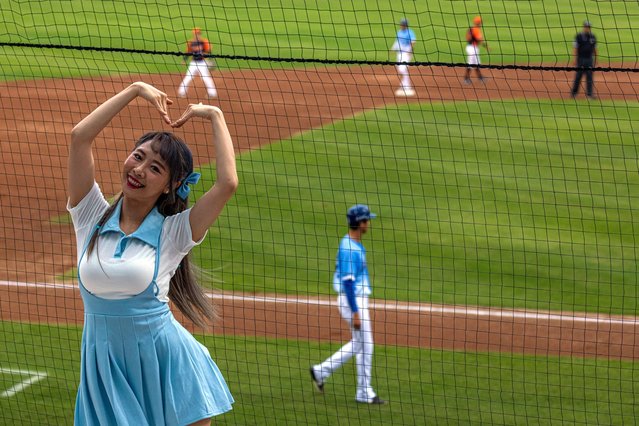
(137, 156)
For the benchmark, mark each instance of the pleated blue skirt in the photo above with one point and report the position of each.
(139, 366)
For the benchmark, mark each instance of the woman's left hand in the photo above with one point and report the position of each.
(197, 110)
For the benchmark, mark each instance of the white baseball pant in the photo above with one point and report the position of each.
(403, 69)
(198, 68)
(361, 345)
(472, 53)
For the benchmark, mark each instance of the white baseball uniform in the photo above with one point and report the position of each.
(404, 48)
(351, 265)
(198, 66)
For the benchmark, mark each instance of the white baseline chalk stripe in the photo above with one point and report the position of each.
(497, 313)
(36, 376)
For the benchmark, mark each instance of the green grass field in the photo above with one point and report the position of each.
(521, 208)
(512, 203)
(269, 380)
(529, 32)
(490, 213)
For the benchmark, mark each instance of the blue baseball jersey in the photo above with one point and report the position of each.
(405, 38)
(351, 265)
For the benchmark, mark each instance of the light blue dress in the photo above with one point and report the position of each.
(139, 366)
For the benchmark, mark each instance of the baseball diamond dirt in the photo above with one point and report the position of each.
(263, 106)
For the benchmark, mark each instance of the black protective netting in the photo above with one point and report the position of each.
(502, 261)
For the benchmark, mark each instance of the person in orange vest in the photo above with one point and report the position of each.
(474, 38)
(198, 48)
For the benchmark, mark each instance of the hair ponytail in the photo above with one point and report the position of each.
(188, 296)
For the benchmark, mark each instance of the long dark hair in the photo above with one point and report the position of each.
(184, 290)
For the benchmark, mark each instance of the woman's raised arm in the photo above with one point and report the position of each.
(210, 205)
(81, 167)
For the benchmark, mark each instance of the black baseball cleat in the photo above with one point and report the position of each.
(319, 385)
(376, 400)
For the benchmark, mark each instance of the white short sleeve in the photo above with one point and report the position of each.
(177, 241)
(177, 230)
(86, 214)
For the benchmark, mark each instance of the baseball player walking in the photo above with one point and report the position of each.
(198, 47)
(352, 283)
(585, 53)
(474, 39)
(403, 46)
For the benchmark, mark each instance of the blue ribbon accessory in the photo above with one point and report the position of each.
(183, 190)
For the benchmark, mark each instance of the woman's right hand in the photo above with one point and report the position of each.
(155, 97)
(198, 110)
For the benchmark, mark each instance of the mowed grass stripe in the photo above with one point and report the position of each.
(518, 32)
(511, 203)
(269, 380)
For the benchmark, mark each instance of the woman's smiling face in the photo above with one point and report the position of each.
(145, 175)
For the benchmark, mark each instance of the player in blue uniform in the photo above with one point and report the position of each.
(352, 282)
(403, 46)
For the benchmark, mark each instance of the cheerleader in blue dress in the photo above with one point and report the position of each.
(139, 366)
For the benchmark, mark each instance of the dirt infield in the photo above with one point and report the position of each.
(261, 106)
(405, 324)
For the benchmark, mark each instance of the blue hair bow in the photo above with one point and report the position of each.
(183, 190)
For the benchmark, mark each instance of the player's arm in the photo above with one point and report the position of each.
(207, 52)
(188, 53)
(483, 41)
(207, 209)
(395, 46)
(349, 261)
(81, 166)
(349, 292)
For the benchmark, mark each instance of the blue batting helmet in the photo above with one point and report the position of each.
(358, 213)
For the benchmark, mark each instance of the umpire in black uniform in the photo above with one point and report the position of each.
(585, 52)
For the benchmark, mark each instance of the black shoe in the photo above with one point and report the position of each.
(375, 401)
(318, 384)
